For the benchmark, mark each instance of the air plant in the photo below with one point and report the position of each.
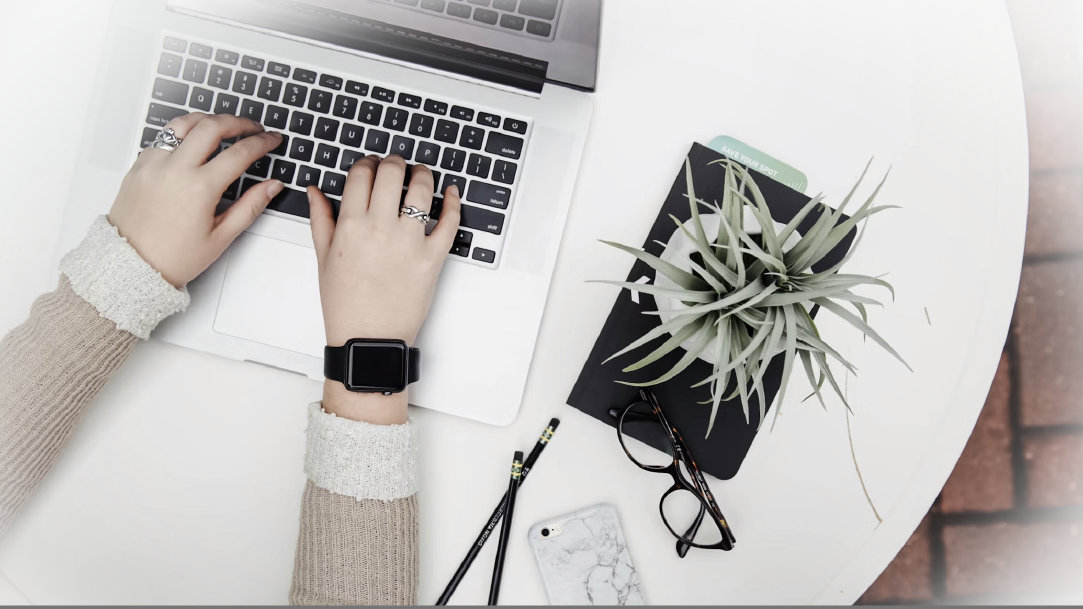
(748, 297)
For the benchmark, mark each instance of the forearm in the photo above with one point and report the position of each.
(54, 364)
(358, 536)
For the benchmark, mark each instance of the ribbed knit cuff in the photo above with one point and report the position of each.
(106, 271)
(358, 459)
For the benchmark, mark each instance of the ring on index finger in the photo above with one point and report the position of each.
(415, 213)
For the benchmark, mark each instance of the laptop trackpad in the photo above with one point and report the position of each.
(271, 295)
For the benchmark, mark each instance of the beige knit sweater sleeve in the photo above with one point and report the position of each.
(358, 533)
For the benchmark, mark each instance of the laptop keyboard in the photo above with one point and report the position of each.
(329, 121)
(531, 18)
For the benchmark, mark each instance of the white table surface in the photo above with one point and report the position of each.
(183, 482)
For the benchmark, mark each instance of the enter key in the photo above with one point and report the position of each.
(488, 194)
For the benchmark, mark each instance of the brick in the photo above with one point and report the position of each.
(982, 479)
(1035, 560)
(906, 579)
(1047, 38)
(1049, 333)
(1054, 470)
(1055, 127)
(1055, 216)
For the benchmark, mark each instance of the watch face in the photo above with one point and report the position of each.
(377, 366)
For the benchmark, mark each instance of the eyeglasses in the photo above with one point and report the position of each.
(687, 503)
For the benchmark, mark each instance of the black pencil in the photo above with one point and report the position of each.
(497, 514)
(505, 528)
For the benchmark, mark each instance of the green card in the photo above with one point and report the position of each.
(760, 161)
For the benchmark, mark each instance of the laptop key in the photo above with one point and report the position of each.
(512, 22)
(345, 107)
(484, 255)
(278, 69)
(220, 77)
(194, 70)
(456, 9)
(357, 88)
(333, 183)
(301, 122)
(283, 171)
(489, 194)
(421, 125)
(541, 9)
(295, 95)
(199, 50)
(282, 146)
(174, 44)
(331, 82)
(402, 146)
(489, 120)
(478, 165)
(290, 201)
(504, 145)
(232, 190)
(461, 113)
(460, 250)
(485, 15)
(351, 135)
(301, 149)
(320, 101)
(471, 137)
(269, 88)
(410, 101)
(384, 95)
(252, 63)
(225, 56)
(427, 153)
(149, 133)
(201, 99)
(261, 168)
(370, 113)
(349, 157)
(377, 140)
(226, 104)
(158, 114)
(479, 218)
(276, 117)
(396, 119)
(169, 65)
(446, 131)
(453, 160)
(463, 237)
(303, 75)
(505, 5)
(433, 5)
(326, 155)
(252, 110)
(435, 107)
(169, 91)
(452, 179)
(244, 83)
(326, 128)
(511, 124)
(308, 176)
(504, 171)
(539, 28)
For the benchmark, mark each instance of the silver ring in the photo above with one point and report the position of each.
(415, 213)
(167, 140)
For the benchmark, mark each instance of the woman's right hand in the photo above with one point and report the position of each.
(378, 270)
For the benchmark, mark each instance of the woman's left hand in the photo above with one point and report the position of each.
(166, 204)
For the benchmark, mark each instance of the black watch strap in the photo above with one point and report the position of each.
(336, 360)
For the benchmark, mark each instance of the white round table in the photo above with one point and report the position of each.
(183, 482)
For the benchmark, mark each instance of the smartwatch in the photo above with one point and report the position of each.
(372, 365)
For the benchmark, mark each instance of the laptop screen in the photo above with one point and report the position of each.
(516, 43)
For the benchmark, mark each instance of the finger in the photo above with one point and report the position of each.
(181, 126)
(387, 189)
(245, 210)
(419, 194)
(358, 188)
(207, 134)
(443, 235)
(323, 222)
(233, 161)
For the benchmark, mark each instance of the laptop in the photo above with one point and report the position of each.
(492, 95)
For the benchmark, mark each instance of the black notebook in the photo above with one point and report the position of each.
(596, 390)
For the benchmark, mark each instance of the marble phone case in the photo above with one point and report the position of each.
(587, 561)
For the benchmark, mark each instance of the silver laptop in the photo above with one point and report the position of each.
(493, 95)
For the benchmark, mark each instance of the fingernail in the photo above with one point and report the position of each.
(453, 189)
(274, 188)
(276, 133)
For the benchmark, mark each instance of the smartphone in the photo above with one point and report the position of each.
(583, 559)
